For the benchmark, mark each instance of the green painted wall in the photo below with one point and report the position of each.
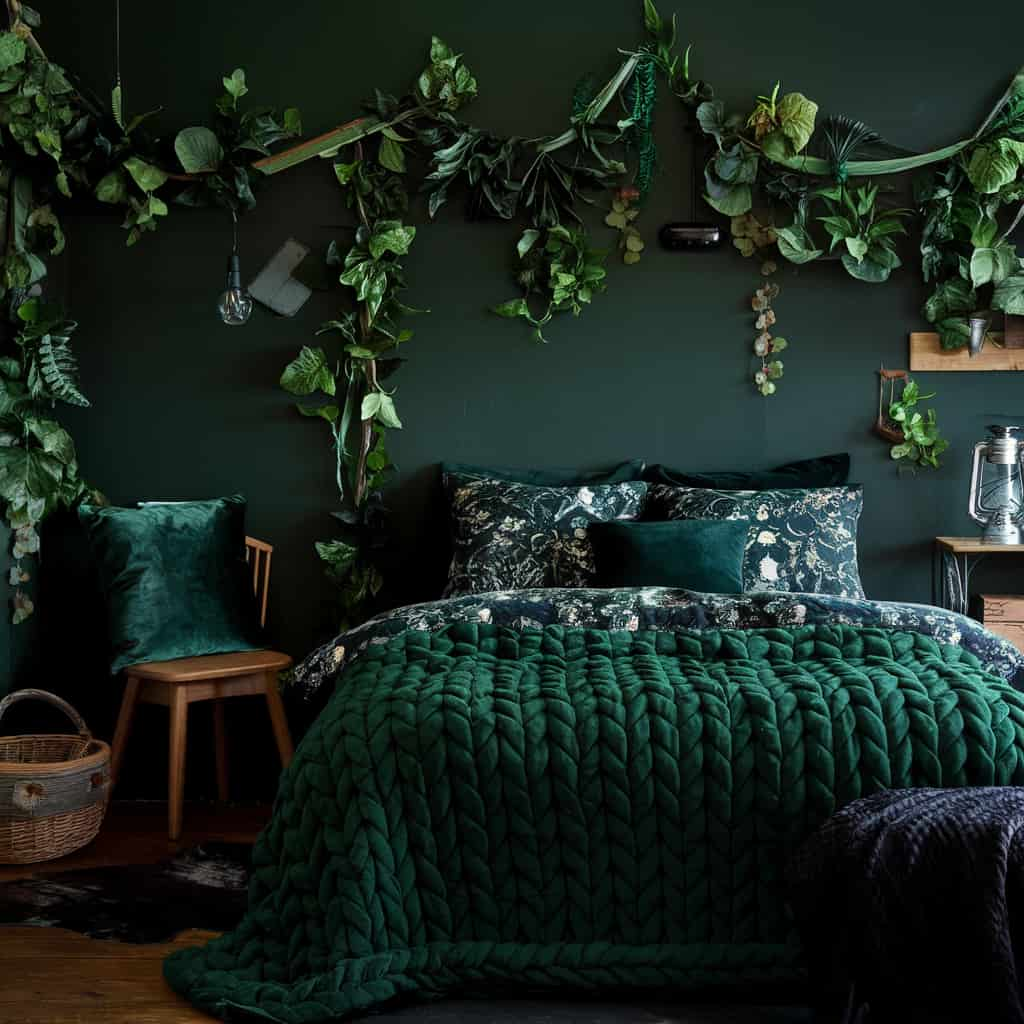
(658, 368)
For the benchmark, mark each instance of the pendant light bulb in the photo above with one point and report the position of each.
(235, 304)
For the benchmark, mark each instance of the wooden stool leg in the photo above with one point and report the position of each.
(285, 748)
(176, 762)
(124, 727)
(220, 741)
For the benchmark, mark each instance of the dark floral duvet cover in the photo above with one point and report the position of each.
(662, 609)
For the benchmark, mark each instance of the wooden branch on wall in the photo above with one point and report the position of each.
(928, 355)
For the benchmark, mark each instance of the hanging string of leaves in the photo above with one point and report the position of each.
(542, 182)
(61, 143)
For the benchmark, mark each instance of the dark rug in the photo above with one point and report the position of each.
(557, 1011)
(204, 887)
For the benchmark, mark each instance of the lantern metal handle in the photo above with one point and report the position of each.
(975, 506)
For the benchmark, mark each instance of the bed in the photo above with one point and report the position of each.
(588, 788)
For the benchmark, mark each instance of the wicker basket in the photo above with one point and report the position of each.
(53, 789)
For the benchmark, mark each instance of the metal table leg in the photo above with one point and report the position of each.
(956, 580)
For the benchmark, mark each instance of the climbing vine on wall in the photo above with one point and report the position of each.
(786, 183)
(61, 143)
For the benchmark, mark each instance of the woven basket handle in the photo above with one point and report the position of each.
(47, 698)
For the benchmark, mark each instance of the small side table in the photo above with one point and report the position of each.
(955, 558)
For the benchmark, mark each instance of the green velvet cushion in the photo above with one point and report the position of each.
(694, 554)
(174, 578)
(826, 471)
(455, 474)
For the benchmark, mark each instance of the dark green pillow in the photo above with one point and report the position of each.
(455, 474)
(174, 578)
(694, 554)
(826, 471)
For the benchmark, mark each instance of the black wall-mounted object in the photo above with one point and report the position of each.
(689, 236)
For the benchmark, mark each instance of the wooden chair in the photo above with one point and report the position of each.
(216, 677)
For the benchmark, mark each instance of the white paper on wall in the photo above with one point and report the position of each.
(274, 286)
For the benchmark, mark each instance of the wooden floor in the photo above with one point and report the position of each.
(51, 976)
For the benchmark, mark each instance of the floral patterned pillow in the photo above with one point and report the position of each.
(800, 541)
(510, 536)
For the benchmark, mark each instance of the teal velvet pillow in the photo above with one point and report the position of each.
(456, 474)
(174, 578)
(825, 471)
(694, 554)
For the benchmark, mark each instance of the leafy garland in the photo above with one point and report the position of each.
(64, 144)
(767, 157)
(60, 143)
(557, 268)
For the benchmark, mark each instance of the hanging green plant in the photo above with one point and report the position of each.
(622, 217)
(922, 442)
(766, 345)
(558, 268)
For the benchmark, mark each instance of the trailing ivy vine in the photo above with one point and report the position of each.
(60, 143)
(786, 183)
(542, 182)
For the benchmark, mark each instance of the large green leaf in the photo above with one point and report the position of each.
(198, 149)
(391, 155)
(370, 405)
(1009, 295)
(55, 440)
(874, 268)
(950, 298)
(954, 332)
(387, 413)
(338, 556)
(796, 115)
(711, 118)
(736, 165)
(991, 168)
(308, 372)
(27, 473)
(526, 241)
(391, 236)
(145, 175)
(992, 265)
(856, 247)
(731, 200)
(796, 245)
(235, 85)
(12, 50)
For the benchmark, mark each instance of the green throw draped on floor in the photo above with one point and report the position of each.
(484, 807)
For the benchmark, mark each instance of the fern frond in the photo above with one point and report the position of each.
(116, 107)
(58, 370)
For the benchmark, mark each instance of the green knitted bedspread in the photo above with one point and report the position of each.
(564, 808)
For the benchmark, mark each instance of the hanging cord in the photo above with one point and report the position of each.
(234, 232)
(694, 170)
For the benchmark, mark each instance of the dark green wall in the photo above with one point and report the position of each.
(658, 368)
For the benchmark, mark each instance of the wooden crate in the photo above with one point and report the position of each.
(1004, 615)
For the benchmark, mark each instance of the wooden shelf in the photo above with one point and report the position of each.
(927, 355)
(976, 546)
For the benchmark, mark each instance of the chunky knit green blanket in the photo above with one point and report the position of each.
(484, 807)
